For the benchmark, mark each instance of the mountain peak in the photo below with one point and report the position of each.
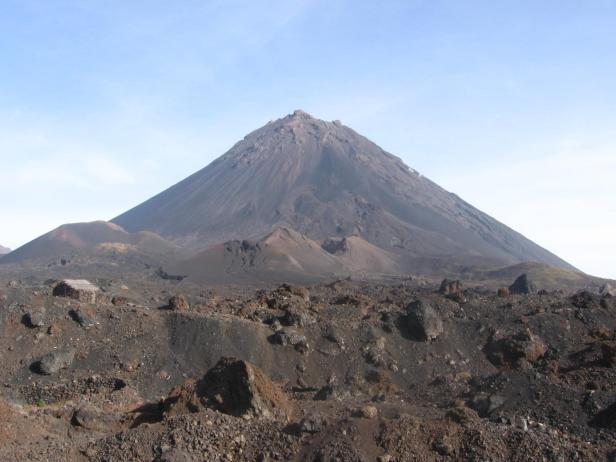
(323, 180)
(302, 119)
(301, 113)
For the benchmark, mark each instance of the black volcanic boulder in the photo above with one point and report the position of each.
(586, 300)
(516, 350)
(608, 351)
(291, 337)
(335, 246)
(522, 285)
(423, 320)
(84, 316)
(606, 418)
(232, 387)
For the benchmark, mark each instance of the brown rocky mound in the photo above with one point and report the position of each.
(515, 350)
(233, 387)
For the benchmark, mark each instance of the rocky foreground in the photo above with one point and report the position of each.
(344, 371)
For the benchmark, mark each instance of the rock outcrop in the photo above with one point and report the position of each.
(515, 350)
(423, 320)
(78, 289)
(55, 361)
(233, 387)
(178, 303)
(522, 285)
(608, 350)
(452, 290)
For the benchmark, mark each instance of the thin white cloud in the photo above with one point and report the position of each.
(565, 201)
(82, 171)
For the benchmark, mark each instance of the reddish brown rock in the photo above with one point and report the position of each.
(233, 387)
(178, 303)
(503, 292)
(515, 350)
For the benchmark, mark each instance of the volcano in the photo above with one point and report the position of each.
(325, 181)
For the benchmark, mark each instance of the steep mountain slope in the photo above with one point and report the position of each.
(282, 255)
(94, 238)
(323, 179)
(4, 250)
(543, 276)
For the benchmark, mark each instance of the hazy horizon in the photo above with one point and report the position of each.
(509, 106)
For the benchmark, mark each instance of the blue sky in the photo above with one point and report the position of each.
(510, 104)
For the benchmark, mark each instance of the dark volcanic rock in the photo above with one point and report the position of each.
(36, 318)
(78, 289)
(86, 317)
(290, 337)
(424, 322)
(297, 317)
(515, 350)
(522, 285)
(608, 350)
(586, 300)
(485, 404)
(606, 418)
(53, 362)
(237, 388)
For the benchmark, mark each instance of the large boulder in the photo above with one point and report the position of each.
(608, 351)
(515, 350)
(94, 419)
(233, 387)
(423, 320)
(585, 299)
(522, 285)
(53, 362)
(178, 303)
(78, 289)
(291, 337)
(36, 317)
(85, 317)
